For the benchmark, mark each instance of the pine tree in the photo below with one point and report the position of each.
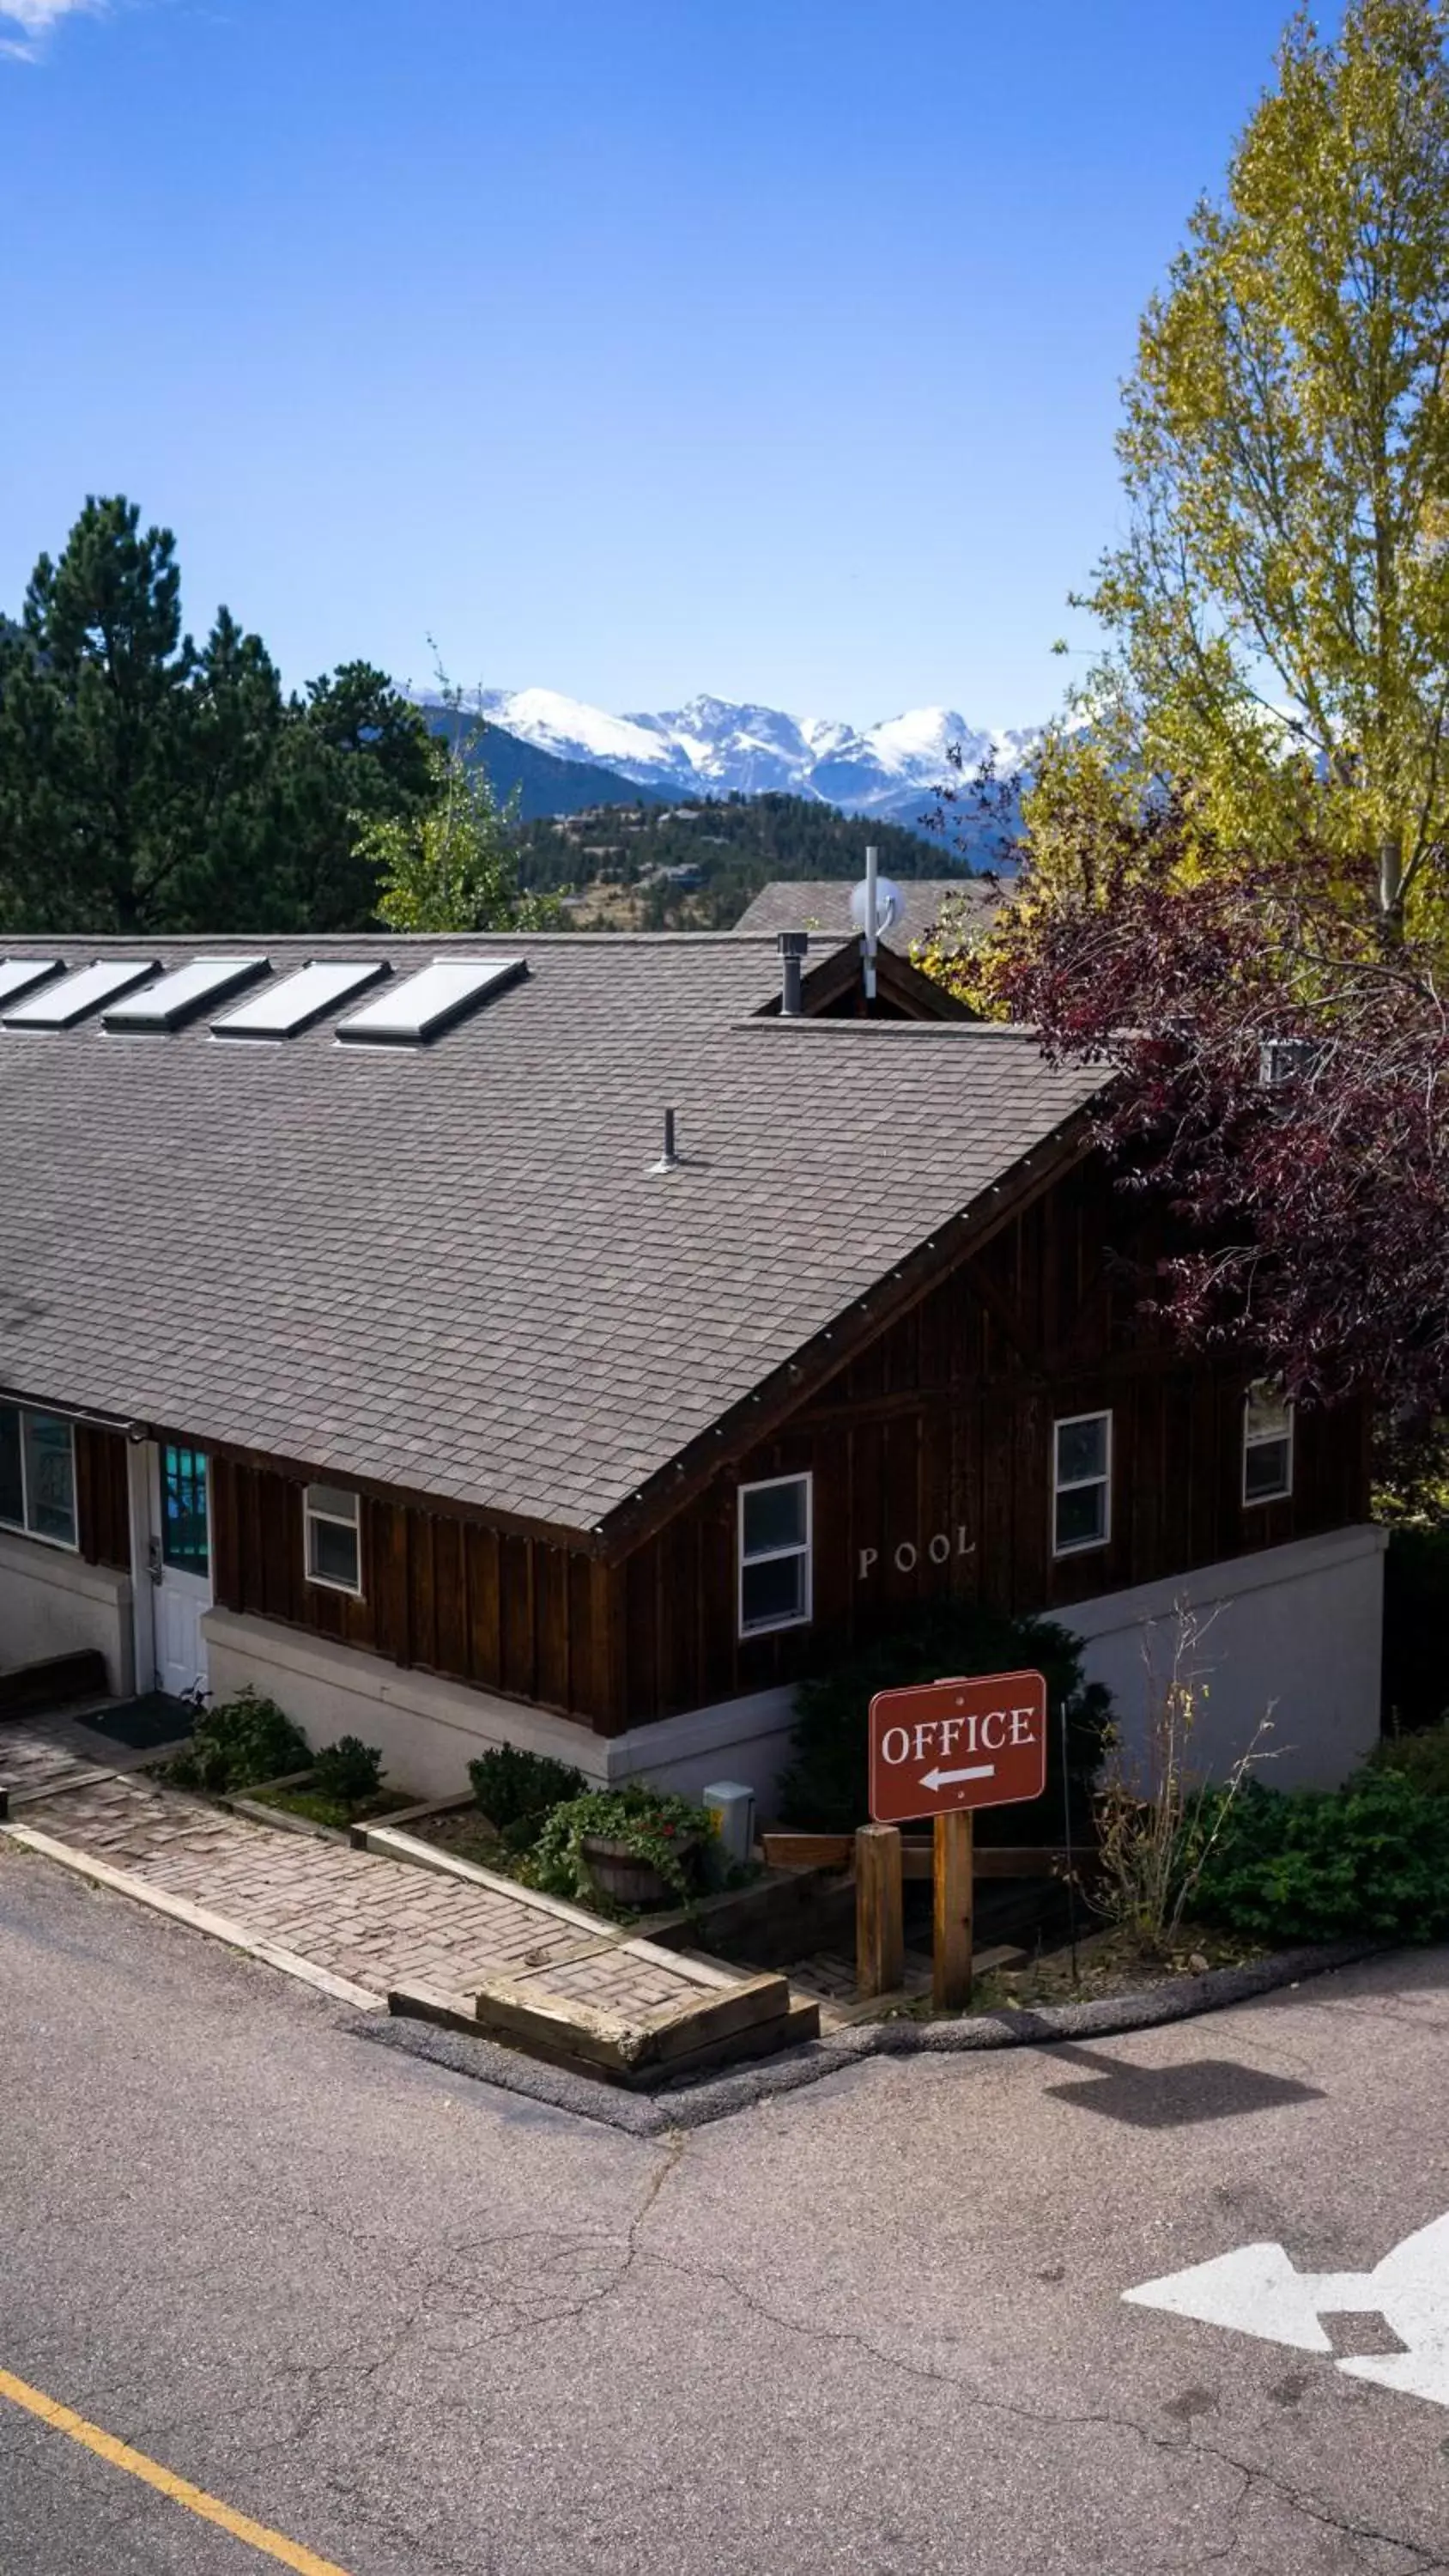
(148, 786)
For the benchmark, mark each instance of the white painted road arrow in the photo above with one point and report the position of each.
(947, 1779)
(1258, 2291)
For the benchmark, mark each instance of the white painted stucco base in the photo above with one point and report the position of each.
(53, 1603)
(1294, 1635)
(429, 1730)
(1297, 1628)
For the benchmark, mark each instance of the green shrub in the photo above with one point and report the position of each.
(1367, 1860)
(238, 1743)
(348, 1772)
(1416, 1626)
(516, 1791)
(1422, 1758)
(653, 1824)
(824, 1789)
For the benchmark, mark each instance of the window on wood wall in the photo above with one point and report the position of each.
(1267, 1444)
(1081, 1483)
(332, 1523)
(775, 1546)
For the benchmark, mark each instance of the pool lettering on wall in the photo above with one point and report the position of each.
(939, 1549)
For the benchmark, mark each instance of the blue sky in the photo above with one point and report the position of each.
(627, 347)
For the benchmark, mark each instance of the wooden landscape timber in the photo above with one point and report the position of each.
(719, 2024)
(837, 1851)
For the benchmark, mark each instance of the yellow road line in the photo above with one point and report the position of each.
(63, 2419)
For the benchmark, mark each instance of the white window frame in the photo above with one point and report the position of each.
(21, 1528)
(770, 1555)
(311, 1515)
(1079, 1484)
(1267, 1440)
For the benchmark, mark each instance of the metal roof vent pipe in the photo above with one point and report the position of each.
(793, 946)
(669, 1160)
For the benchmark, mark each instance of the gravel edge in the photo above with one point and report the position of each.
(695, 2104)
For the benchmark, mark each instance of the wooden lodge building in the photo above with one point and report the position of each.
(362, 1340)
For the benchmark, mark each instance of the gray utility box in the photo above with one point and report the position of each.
(733, 1809)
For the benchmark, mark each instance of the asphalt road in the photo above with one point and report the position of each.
(410, 2323)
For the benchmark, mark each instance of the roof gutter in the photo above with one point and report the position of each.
(32, 1403)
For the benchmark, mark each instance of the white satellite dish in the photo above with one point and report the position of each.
(890, 905)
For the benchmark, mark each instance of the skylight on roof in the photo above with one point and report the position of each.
(184, 992)
(412, 1013)
(17, 975)
(62, 1004)
(298, 1000)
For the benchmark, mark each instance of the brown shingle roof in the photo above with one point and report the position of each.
(823, 903)
(450, 1268)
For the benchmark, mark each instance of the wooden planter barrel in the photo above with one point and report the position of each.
(620, 1873)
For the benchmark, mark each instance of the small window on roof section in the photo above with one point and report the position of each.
(19, 974)
(332, 1534)
(183, 993)
(412, 1013)
(292, 1005)
(59, 1006)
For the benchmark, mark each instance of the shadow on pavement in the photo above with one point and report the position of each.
(1175, 2097)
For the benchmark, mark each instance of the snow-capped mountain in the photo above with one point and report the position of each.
(711, 747)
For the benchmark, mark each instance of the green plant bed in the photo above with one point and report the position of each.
(589, 1844)
(1422, 1757)
(236, 1745)
(467, 1835)
(1369, 1861)
(319, 1809)
(1103, 1965)
(517, 1792)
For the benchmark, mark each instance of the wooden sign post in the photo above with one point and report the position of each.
(954, 1896)
(942, 1749)
(880, 1924)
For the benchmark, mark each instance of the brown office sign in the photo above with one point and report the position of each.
(942, 1746)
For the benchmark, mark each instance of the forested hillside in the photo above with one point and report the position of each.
(696, 866)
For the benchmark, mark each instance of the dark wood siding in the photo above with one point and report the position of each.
(447, 1594)
(931, 1456)
(102, 1510)
(932, 1464)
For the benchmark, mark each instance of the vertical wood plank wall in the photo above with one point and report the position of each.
(453, 1596)
(102, 1508)
(942, 1428)
(943, 1431)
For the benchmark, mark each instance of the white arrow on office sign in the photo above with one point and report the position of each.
(1258, 2291)
(948, 1779)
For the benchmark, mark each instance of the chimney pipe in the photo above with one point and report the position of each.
(793, 945)
(669, 1159)
(872, 915)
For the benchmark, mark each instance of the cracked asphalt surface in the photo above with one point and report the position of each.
(420, 2324)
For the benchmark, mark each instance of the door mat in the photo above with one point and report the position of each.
(140, 1723)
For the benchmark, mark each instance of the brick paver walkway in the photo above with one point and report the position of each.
(376, 1922)
(45, 1753)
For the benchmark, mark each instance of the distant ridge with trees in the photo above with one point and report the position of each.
(695, 864)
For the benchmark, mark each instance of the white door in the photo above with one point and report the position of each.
(180, 1564)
